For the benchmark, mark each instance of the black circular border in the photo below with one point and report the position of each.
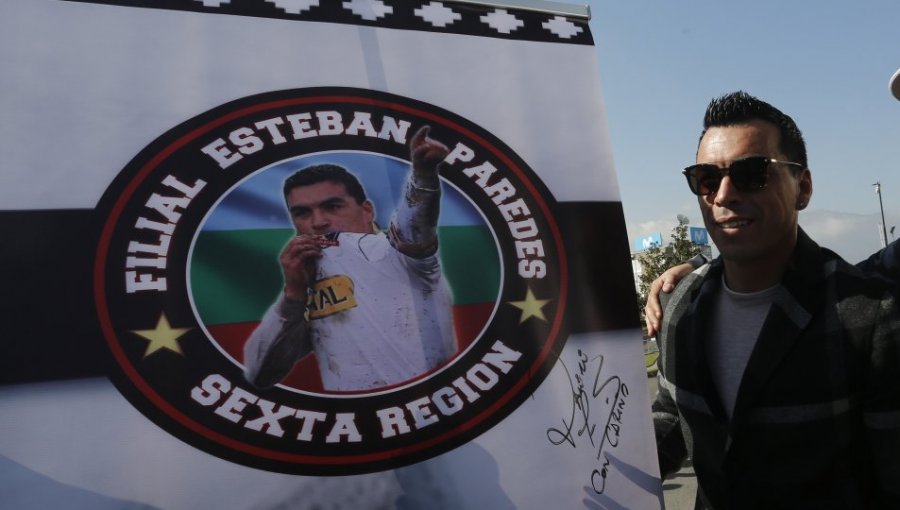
(144, 396)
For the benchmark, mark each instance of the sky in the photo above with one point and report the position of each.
(825, 63)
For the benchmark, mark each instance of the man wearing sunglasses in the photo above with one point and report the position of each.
(779, 361)
(885, 262)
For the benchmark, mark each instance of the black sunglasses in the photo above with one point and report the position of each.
(747, 174)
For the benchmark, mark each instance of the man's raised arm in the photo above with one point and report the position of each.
(413, 228)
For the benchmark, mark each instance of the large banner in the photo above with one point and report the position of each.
(313, 254)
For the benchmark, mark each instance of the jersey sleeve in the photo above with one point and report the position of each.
(280, 339)
(413, 229)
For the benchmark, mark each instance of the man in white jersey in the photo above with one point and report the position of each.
(778, 360)
(373, 306)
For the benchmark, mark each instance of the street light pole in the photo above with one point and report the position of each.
(881, 205)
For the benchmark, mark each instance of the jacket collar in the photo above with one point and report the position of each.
(800, 293)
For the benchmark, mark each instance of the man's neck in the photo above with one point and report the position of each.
(759, 274)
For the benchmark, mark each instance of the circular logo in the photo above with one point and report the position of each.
(432, 274)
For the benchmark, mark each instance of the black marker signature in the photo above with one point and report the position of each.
(581, 406)
(610, 394)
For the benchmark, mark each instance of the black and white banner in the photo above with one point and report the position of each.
(467, 334)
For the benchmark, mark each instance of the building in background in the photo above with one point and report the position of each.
(697, 235)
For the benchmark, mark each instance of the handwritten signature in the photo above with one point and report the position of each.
(610, 396)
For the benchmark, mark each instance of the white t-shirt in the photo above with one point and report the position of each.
(734, 329)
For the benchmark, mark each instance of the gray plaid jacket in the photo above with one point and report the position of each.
(816, 423)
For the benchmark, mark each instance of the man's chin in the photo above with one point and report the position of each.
(737, 250)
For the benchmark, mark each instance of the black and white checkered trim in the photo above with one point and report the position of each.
(429, 15)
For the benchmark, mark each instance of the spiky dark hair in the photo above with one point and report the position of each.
(740, 107)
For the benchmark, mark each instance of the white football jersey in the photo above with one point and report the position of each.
(377, 316)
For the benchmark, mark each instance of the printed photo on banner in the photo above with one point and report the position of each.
(236, 274)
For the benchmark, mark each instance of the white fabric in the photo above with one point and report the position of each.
(401, 325)
(84, 48)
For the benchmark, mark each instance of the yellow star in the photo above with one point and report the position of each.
(164, 336)
(531, 307)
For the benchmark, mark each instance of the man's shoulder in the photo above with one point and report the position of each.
(864, 304)
(859, 299)
(676, 304)
(814, 268)
(849, 280)
(685, 289)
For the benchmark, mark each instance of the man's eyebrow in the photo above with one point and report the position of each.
(332, 201)
(299, 209)
(303, 209)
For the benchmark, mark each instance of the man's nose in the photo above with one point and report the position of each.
(726, 193)
(319, 219)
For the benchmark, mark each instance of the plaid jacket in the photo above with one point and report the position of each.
(816, 424)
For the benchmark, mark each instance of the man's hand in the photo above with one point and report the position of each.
(298, 262)
(426, 155)
(665, 283)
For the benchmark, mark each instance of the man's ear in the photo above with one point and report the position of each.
(804, 189)
(369, 213)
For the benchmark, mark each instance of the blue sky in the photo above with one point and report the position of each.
(825, 63)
